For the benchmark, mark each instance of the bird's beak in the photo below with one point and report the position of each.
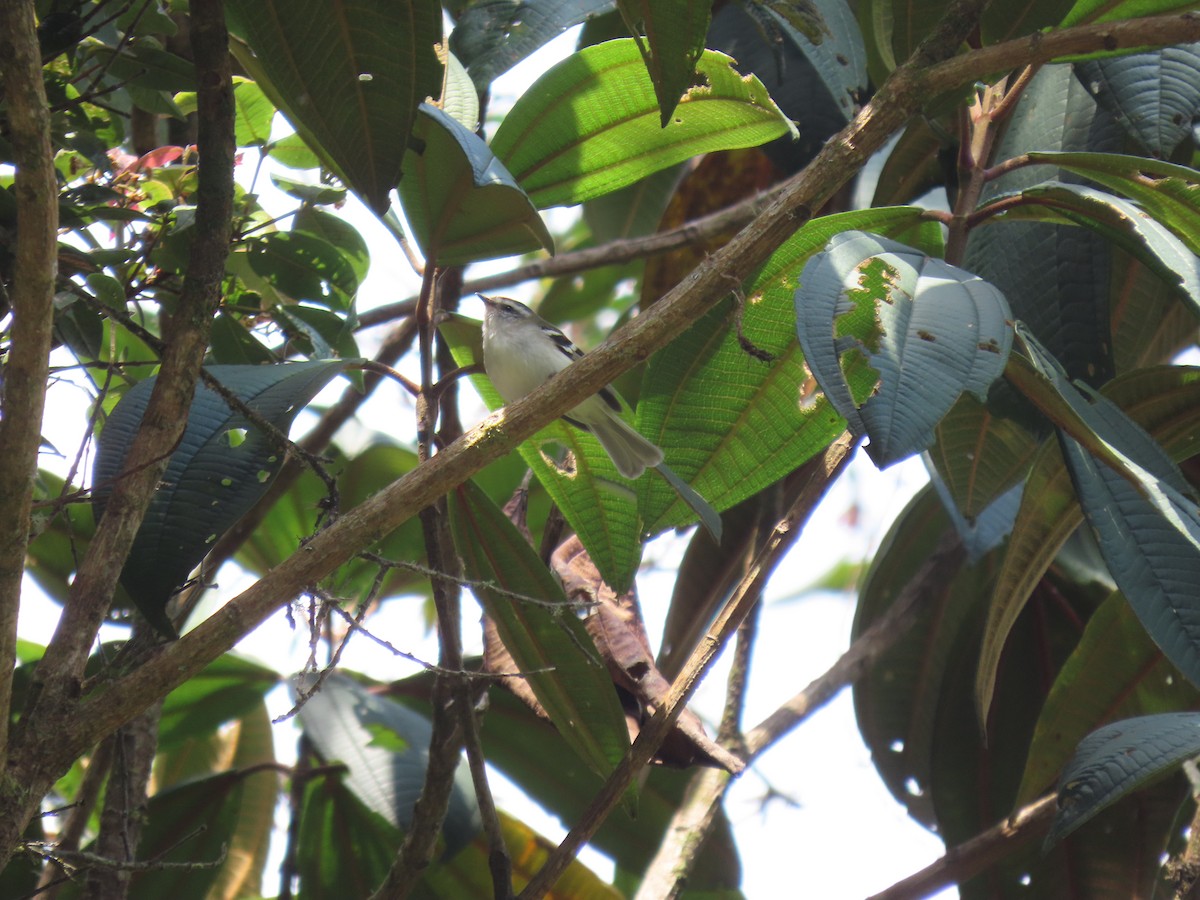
(487, 301)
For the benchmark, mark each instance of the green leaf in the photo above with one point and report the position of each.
(1166, 402)
(338, 232)
(310, 193)
(931, 331)
(979, 454)
(596, 501)
(518, 742)
(1116, 672)
(460, 200)
(490, 38)
(540, 629)
(1125, 224)
(342, 718)
(1118, 759)
(233, 344)
(1154, 95)
(293, 152)
(295, 515)
(226, 689)
(348, 74)
(1051, 274)
(591, 124)
(674, 39)
(1004, 21)
(1169, 192)
(1149, 535)
(189, 824)
(1112, 10)
(209, 483)
(304, 267)
(253, 114)
(345, 848)
(730, 423)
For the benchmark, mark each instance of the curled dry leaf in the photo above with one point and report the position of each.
(615, 624)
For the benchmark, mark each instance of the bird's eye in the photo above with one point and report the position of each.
(509, 308)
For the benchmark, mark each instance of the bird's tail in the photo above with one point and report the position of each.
(631, 453)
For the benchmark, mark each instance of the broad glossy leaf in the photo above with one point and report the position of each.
(469, 875)
(460, 201)
(1116, 672)
(731, 423)
(345, 848)
(348, 74)
(1164, 401)
(929, 330)
(674, 39)
(893, 28)
(491, 37)
(596, 501)
(1149, 534)
(896, 699)
(819, 85)
(1154, 94)
(544, 635)
(338, 232)
(191, 823)
(1004, 21)
(1169, 192)
(220, 468)
(304, 267)
(226, 689)
(590, 125)
(634, 210)
(232, 344)
(979, 454)
(1117, 759)
(1124, 223)
(385, 748)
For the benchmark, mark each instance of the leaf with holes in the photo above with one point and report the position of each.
(729, 421)
(220, 468)
(929, 330)
(1154, 95)
(674, 39)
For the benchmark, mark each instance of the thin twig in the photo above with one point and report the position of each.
(609, 254)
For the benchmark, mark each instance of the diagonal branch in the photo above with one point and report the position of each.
(901, 96)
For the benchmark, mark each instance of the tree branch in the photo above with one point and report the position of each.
(56, 681)
(968, 859)
(186, 335)
(65, 736)
(653, 732)
(26, 367)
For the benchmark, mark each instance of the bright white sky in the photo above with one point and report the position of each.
(841, 815)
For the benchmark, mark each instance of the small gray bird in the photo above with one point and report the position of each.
(521, 351)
